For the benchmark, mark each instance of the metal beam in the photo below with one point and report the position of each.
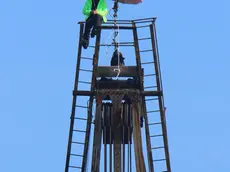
(90, 93)
(104, 27)
(137, 139)
(127, 21)
(109, 71)
(97, 140)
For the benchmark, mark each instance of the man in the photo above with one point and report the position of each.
(114, 60)
(95, 12)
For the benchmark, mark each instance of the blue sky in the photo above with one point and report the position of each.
(38, 47)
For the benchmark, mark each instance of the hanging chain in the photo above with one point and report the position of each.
(116, 34)
(115, 9)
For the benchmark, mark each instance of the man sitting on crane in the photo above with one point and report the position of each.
(95, 12)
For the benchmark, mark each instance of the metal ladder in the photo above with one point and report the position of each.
(80, 125)
(155, 122)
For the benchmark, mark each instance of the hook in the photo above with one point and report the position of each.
(118, 72)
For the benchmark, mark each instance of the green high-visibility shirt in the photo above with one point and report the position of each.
(101, 9)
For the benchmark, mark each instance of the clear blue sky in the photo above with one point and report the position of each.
(38, 47)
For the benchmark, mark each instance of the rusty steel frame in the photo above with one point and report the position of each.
(92, 93)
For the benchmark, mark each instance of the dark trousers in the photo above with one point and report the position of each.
(92, 21)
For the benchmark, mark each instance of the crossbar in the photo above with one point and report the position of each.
(110, 71)
(89, 93)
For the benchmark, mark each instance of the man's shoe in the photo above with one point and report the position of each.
(93, 33)
(85, 43)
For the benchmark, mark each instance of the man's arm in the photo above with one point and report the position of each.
(86, 10)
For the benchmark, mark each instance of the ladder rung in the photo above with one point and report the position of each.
(160, 147)
(86, 70)
(159, 160)
(74, 167)
(120, 43)
(82, 106)
(152, 111)
(147, 63)
(76, 155)
(156, 123)
(151, 99)
(145, 51)
(142, 26)
(105, 45)
(84, 82)
(81, 131)
(157, 135)
(140, 39)
(84, 119)
(101, 45)
(150, 75)
(151, 87)
(79, 143)
(87, 58)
